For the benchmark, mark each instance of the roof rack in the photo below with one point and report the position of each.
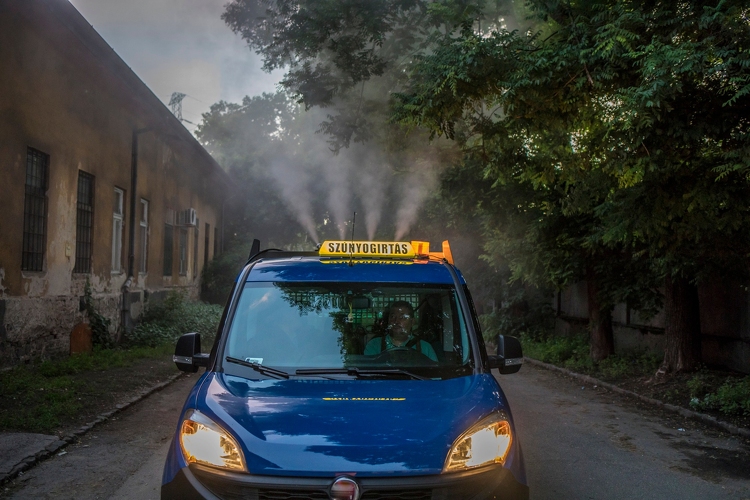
(256, 253)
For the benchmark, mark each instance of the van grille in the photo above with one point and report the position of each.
(292, 495)
(398, 495)
(228, 490)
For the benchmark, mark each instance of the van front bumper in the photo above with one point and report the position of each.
(197, 482)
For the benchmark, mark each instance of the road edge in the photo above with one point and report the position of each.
(732, 429)
(27, 462)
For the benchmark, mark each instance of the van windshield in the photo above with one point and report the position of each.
(329, 328)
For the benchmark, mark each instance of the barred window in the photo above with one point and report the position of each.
(35, 211)
(205, 245)
(84, 222)
(168, 242)
(183, 251)
(196, 236)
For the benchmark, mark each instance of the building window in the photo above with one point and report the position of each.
(205, 245)
(168, 242)
(84, 222)
(117, 223)
(144, 236)
(183, 251)
(35, 211)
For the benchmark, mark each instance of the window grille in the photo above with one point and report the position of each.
(168, 242)
(117, 227)
(183, 251)
(84, 222)
(35, 211)
(144, 236)
(196, 236)
(205, 246)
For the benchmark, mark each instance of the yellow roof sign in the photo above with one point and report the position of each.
(384, 250)
(391, 249)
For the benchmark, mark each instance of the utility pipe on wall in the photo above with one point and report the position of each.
(125, 310)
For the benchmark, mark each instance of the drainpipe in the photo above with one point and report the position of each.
(125, 303)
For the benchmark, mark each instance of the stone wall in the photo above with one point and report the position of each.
(725, 323)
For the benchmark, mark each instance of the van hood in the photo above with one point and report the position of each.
(313, 427)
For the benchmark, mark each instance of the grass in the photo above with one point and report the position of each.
(43, 398)
(572, 352)
(718, 392)
(60, 395)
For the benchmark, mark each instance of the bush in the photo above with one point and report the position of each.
(556, 349)
(572, 352)
(731, 398)
(219, 275)
(164, 322)
(524, 310)
(100, 336)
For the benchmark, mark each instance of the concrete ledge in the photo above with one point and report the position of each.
(732, 429)
(25, 462)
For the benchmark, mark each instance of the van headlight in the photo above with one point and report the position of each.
(485, 443)
(204, 442)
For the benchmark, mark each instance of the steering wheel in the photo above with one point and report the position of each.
(403, 356)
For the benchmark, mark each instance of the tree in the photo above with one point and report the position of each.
(655, 94)
(347, 55)
(245, 138)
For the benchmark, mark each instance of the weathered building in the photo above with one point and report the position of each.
(99, 183)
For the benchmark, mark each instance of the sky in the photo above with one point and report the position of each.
(180, 46)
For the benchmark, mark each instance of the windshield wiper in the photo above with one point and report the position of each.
(359, 372)
(264, 370)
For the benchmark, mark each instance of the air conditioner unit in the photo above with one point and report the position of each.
(187, 217)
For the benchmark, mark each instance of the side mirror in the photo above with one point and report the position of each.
(187, 353)
(509, 355)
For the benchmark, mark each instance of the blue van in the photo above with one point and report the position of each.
(357, 372)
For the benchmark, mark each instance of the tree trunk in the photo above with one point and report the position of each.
(682, 350)
(601, 338)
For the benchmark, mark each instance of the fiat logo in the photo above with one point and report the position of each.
(344, 488)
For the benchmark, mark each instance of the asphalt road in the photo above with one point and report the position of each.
(122, 459)
(586, 443)
(579, 443)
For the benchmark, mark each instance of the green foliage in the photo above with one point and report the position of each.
(100, 335)
(572, 352)
(605, 140)
(556, 349)
(163, 323)
(348, 55)
(609, 142)
(522, 311)
(630, 363)
(732, 397)
(604, 111)
(220, 274)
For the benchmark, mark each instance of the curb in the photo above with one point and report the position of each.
(732, 429)
(54, 447)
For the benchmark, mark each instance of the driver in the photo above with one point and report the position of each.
(400, 321)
